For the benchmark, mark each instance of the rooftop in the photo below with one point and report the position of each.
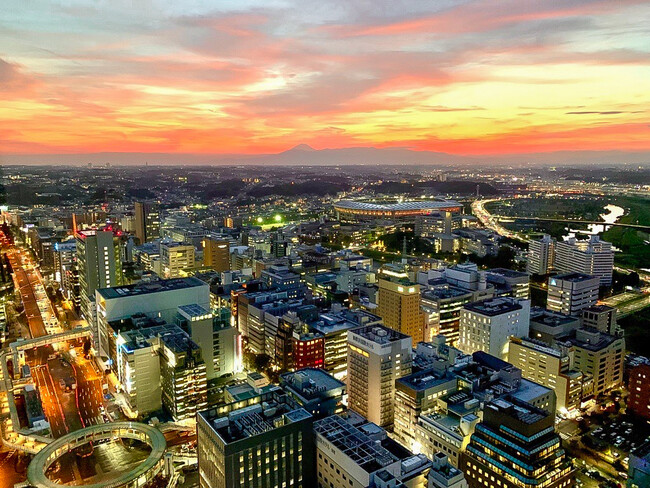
(493, 306)
(424, 380)
(552, 319)
(379, 334)
(522, 411)
(310, 383)
(395, 207)
(573, 277)
(256, 419)
(361, 449)
(153, 287)
(508, 273)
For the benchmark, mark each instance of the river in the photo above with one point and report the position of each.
(612, 214)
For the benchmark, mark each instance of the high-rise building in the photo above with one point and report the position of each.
(270, 443)
(551, 367)
(516, 446)
(593, 257)
(67, 271)
(541, 255)
(509, 283)
(601, 356)
(147, 221)
(417, 394)
(601, 317)
(362, 456)
(442, 306)
(315, 390)
(216, 254)
(638, 386)
(334, 327)
(161, 366)
(572, 292)
(176, 259)
(488, 325)
(219, 340)
(158, 299)
(99, 264)
(377, 356)
(399, 307)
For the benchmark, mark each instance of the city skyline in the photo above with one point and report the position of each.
(493, 79)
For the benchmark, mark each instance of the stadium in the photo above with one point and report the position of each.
(352, 210)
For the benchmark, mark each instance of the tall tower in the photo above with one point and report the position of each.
(147, 221)
(100, 266)
(377, 356)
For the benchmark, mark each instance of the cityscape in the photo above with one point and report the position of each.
(324, 244)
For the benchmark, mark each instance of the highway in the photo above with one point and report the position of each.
(478, 209)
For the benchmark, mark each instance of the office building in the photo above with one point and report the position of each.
(160, 366)
(220, 342)
(600, 356)
(601, 317)
(100, 266)
(333, 327)
(571, 293)
(516, 446)
(551, 367)
(442, 306)
(314, 390)
(417, 394)
(548, 326)
(541, 255)
(593, 257)
(377, 356)
(398, 304)
(270, 443)
(216, 254)
(362, 456)
(67, 271)
(488, 325)
(509, 283)
(638, 386)
(449, 428)
(176, 259)
(147, 222)
(156, 299)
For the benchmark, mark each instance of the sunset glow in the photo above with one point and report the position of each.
(252, 76)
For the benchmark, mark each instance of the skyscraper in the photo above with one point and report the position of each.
(99, 264)
(377, 356)
(216, 254)
(147, 221)
(593, 257)
(399, 307)
(516, 446)
(541, 254)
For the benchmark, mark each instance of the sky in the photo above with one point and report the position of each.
(260, 76)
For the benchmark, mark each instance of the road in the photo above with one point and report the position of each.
(478, 209)
(67, 408)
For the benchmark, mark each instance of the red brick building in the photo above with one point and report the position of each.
(638, 402)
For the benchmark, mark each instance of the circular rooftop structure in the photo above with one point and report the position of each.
(136, 477)
(364, 209)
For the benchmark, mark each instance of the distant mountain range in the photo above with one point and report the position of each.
(306, 155)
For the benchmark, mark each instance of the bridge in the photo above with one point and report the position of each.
(68, 335)
(149, 468)
(510, 218)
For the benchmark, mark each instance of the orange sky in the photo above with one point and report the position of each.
(252, 76)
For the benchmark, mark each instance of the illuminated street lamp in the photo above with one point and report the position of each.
(278, 218)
